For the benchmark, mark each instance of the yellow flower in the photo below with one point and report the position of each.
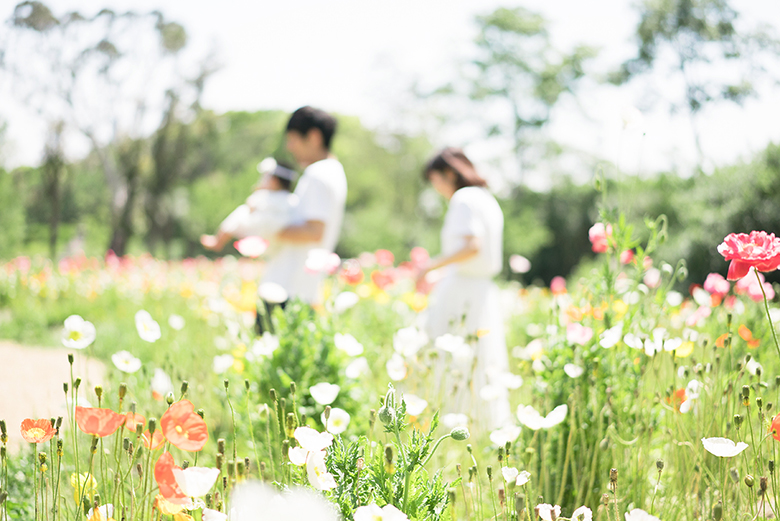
(166, 507)
(84, 485)
(620, 308)
(684, 350)
(238, 365)
(363, 291)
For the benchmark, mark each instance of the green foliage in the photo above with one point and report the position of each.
(11, 215)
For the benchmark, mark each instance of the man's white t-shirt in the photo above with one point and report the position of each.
(322, 194)
(473, 211)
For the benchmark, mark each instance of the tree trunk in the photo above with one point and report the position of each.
(53, 167)
(129, 157)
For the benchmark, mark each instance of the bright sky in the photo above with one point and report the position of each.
(360, 57)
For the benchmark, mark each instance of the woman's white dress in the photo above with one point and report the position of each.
(465, 302)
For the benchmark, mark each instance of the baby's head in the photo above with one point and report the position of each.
(275, 175)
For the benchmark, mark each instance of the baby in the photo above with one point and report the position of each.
(266, 211)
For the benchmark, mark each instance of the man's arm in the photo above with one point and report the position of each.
(310, 231)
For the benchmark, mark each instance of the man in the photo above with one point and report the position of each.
(322, 194)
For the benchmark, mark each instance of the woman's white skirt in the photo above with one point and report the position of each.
(470, 376)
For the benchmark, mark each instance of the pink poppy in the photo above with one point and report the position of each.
(758, 250)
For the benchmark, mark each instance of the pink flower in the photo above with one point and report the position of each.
(384, 257)
(760, 250)
(558, 285)
(627, 256)
(716, 284)
(750, 285)
(576, 333)
(419, 256)
(599, 236)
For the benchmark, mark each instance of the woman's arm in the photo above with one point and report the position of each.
(471, 246)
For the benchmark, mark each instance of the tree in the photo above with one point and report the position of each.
(519, 69)
(105, 77)
(697, 43)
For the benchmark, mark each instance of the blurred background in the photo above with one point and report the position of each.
(137, 126)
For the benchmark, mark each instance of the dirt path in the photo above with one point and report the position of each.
(31, 381)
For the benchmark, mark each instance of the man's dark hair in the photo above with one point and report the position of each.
(306, 118)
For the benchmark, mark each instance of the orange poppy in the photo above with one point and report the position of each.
(166, 481)
(774, 427)
(98, 422)
(157, 440)
(37, 431)
(182, 427)
(131, 420)
(721, 340)
(676, 399)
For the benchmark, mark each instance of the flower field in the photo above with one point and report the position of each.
(638, 394)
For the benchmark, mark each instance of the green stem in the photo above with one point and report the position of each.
(435, 446)
(768, 316)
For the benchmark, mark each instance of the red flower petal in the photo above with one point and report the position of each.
(737, 270)
(163, 474)
(182, 427)
(37, 431)
(98, 422)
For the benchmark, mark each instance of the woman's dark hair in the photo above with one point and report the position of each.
(454, 160)
(306, 118)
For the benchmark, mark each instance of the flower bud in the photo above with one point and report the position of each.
(226, 383)
(489, 470)
(272, 393)
(293, 388)
(759, 402)
(60, 451)
(77, 383)
(734, 474)
(468, 448)
(246, 464)
(139, 429)
(152, 425)
(768, 406)
(99, 391)
(659, 465)
(169, 398)
(185, 464)
(184, 386)
(371, 418)
(327, 413)
(93, 449)
(389, 454)
(500, 453)
(290, 425)
(42, 458)
(771, 466)
(605, 499)
(746, 391)
(762, 483)
(122, 390)
(749, 481)
(738, 420)
(604, 444)
(220, 459)
(613, 475)
(65, 387)
(125, 443)
(221, 445)
(461, 434)
(70, 358)
(246, 384)
(386, 415)
(201, 413)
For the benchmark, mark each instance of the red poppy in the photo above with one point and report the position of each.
(774, 428)
(99, 422)
(37, 431)
(382, 279)
(131, 420)
(384, 257)
(157, 439)
(182, 427)
(676, 399)
(163, 475)
(760, 250)
(351, 272)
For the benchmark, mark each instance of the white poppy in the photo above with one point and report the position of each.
(505, 434)
(548, 512)
(531, 418)
(396, 367)
(530, 352)
(106, 511)
(324, 393)
(509, 473)
(573, 371)
(213, 515)
(633, 341)
(674, 298)
(344, 301)
(250, 498)
(78, 333)
(522, 478)
(519, 264)
(265, 345)
(357, 368)
(161, 382)
(582, 514)
(611, 336)
(338, 421)
(297, 456)
(538, 365)
(638, 514)
(348, 344)
(510, 380)
(176, 322)
(753, 367)
(311, 440)
(321, 260)
(318, 474)
(373, 512)
(148, 328)
(222, 363)
(195, 481)
(414, 404)
(454, 419)
(408, 340)
(723, 447)
(272, 293)
(126, 362)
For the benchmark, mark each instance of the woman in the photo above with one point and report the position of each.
(465, 301)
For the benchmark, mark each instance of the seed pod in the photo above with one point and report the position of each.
(749, 481)
(659, 465)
